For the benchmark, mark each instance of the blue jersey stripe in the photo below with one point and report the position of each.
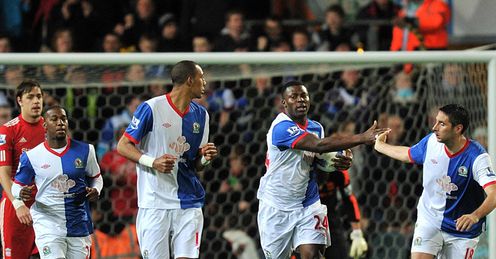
(77, 213)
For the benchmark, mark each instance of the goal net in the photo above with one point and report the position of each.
(242, 99)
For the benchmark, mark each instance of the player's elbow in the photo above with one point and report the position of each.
(121, 145)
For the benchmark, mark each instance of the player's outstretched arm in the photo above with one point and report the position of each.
(396, 152)
(465, 222)
(338, 142)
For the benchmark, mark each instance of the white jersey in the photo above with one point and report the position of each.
(60, 207)
(159, 128)
(453, 183)
(290, 182)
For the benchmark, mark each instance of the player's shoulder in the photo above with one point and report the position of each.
(197, 107)
(154, 101)
(79, 144)
(37, 151)
(475, 148)
(12, 123)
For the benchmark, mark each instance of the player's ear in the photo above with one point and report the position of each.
(18, 99)
(190, 81)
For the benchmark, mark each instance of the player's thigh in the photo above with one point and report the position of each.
(78, 247)
(276, 231)
(51, 246)
(312, 226)
(153, 229)
(458, 247)
(17, 238)
(427, 239)
(186, 238)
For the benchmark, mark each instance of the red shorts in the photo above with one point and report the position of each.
(17, 238)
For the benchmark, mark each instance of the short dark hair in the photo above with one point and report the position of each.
(182, 70)
(336, 8)
(53, 107)
(457, 114)
(289, 84)
(26, 86)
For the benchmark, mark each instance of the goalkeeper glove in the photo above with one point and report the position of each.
(358, 244)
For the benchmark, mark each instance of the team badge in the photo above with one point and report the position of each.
(145, 254)
(462, 171)
(78, 163)
(417, 241)
(46, 251)
(3, 139)
(196, 127)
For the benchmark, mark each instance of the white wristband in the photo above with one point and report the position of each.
(146, 161)
(17, 203)
(204, 161)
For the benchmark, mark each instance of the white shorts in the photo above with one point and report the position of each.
(283, 231)
(56, 247)
(431, 240)
(161, 229)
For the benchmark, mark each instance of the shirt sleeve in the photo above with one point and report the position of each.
(417, 151)
(141, 123)
(25, 172)
(5, 147)
(286, 134)
(483, 170)
(92, 168)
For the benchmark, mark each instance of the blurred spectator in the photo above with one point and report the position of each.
(11, 17)
(5, 113)
(111, 43)
(403, 92)
(243, 246)
(13, 75)
(5, 44)
(281, 46)
(81, 100)
(51, 74)
(203, 17)
(348, 97)
(271, 35)
(201, 43)
(292, 9)
(79, 16)
(237, 166)
(421, 24)
(301, 41)
(108, 138)
(333, 32)
(480, 135)
(147, 43)
(220, 101)
(122, 172)
(62, 41)
(397, 126)
(373, 36)
(142, 21)
(112, 238)
(234, 36)
(170, 40)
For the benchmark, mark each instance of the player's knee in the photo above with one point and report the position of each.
(309, 252)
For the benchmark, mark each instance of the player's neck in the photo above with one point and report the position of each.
(57, 143)
(30, 119)
(456, 144)
(180, 98)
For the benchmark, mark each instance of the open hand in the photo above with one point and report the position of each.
(369, 136)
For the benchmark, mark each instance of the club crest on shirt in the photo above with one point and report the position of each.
(196, 127)
(180, 145)
(3, 139)
(46, 250)
(134, 123)
(78, 163)
(462, 171)
(62, 183)
(446, 184)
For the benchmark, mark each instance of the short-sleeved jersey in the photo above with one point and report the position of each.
(16, 137)
(453, 183)
(159, 128)
(61, 179)
(290, 182)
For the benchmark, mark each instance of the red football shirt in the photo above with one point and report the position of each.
(17, 136)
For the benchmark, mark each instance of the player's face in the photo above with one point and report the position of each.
(444, 129)
(296, 101)
(199, 83)
(56, 124)
(31, 103)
